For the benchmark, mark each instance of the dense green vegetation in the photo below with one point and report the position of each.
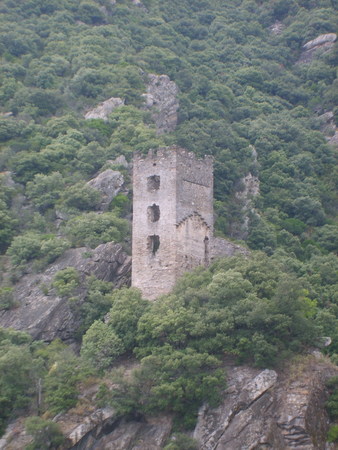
(240, 88)
(332, 408)
(244, 99)
(258, 310)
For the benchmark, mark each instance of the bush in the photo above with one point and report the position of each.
(61, 382)
(332, 435)
(31, 245)
(181, 441)
(6, 298)
(66, 281)
(46, 434)
(24, 248)
(80, 196)
(45, 190)
(92, 229)
(101, 346)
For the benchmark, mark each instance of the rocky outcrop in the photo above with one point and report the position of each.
(220, 248)
(277, 28)
(47, 316)
(264, 410)
(322, 44)
(161, 99)
(281, 410)
(105, 108)
(245, 197)
(101, 429)
(109, 183)
(123, 434)
(119, 161)
(328, 127)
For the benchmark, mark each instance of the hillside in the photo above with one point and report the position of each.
(85, 84)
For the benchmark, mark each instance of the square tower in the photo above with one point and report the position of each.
(172, 217)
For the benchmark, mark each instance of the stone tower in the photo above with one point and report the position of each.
(172, 217)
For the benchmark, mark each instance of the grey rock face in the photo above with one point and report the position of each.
(320, 40)
(261, 410)
(328, 127)
(45, 315)
(220, 248)
(277, 27)
(161, 99)
(245, 197)
(119, 161)
(105, 108)
(109, 183)
(130, 435)
(322, 44)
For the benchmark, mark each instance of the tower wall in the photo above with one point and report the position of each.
(172, 217)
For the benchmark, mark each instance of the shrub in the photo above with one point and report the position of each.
(93, 229)
(181, 441)
(6, 298)
(46, 434)
(66, 281)
(101, 345)
(332, 435)
(61, 382)
(81, 196)
(32, 245)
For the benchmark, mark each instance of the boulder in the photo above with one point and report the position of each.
(161, 99)
(323, 39)
(119, 161)
(322, 44)
(47, 316)
(109, 183)
(105, 108)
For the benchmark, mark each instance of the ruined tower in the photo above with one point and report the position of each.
(172, 217)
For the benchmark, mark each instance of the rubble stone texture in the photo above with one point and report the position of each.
(173, 219)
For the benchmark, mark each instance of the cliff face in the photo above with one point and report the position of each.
(47, 316)
(266, 409)
(161, 99)
(281, 410)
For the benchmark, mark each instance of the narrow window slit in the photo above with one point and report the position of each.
(153, 212)
(153, 243)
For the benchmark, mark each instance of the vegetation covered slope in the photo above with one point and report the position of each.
(244, 98)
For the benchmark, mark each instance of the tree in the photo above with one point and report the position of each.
(101, 345)
(66, 281)
(60, 387)
(93, 229)
(45, 190)
(80, 196)
(46, 434)
(124, 315)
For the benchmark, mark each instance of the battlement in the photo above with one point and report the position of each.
(172, 152)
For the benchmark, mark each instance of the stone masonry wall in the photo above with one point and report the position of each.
(172, 217)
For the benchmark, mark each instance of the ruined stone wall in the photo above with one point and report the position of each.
(172, 194)
(194, 186)
(154, 185)
(193, 244)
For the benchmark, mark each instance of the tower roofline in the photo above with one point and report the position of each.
(170, 151)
